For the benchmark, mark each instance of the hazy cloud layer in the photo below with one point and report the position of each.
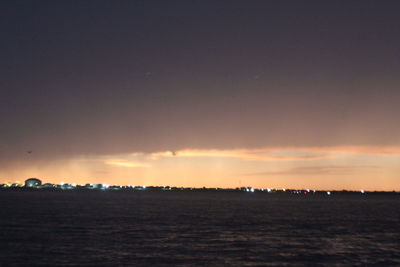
(319, 170)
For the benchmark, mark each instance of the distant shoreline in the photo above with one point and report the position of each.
(248, 190)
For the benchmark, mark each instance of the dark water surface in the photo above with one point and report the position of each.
(104, 228)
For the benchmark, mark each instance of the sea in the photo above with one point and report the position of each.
(162, 228)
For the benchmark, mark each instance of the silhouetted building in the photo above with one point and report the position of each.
(67, 186)
(33, 182)
(47, 185)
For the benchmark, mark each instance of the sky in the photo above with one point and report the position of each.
(269, 94)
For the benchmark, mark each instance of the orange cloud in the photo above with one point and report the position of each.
(244, 154)
(368, 150)
(125, 163)
(281, 153)
(319, 170)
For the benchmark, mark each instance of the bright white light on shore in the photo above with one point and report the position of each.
(362, 191)
(328, 193)
(269, 189)
(62, 183)
(252, 190)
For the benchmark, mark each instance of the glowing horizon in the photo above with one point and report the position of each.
(258, 93)
(321, 168)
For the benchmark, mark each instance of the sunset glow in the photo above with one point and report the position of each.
(371, 168)
(264, 94)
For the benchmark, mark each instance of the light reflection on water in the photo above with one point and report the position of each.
(196, 228)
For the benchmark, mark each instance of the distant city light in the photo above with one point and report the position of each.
(36, 183)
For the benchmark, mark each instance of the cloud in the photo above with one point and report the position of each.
(279, 153)
(367, 150)
(243, 154)
(126, 163)
(318, 170)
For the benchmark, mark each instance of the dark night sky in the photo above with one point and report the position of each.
(108, 77)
